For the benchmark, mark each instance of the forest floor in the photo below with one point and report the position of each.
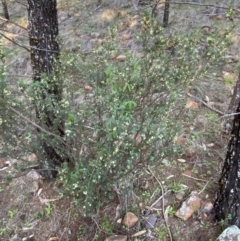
(33, 208)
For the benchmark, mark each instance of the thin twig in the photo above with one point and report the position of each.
(163, 209)
(153, 209)
(19, 75)
(205, 5)
(159, 199)
(34, 124)
(9, 21)
(197, 179)
(232, 114)
(88, 16)
(204, 187)
(15, 42)
(25, 5)
(203, 102)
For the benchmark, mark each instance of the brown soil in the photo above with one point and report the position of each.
(25, 212)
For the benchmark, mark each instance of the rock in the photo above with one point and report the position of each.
(165, 162)
(130, 219)
(29, 238)
(150, 221)
(32, 158)
(232, 233)
(208, 207)
(121, 57)
(116, 238)
(188, 207)
(16, 238)
(33, 175)
(180, 195)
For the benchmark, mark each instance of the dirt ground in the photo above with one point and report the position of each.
(35, 209)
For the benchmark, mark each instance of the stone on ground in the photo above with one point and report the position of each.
(130, 219)
(232, 233)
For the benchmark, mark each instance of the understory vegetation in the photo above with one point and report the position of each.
(138, 109)
(120, 114)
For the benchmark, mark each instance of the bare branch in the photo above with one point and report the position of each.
(8, 21)
(15, 42)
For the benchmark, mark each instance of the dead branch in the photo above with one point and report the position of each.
(9, 21)
(15, 42)
(203, 102)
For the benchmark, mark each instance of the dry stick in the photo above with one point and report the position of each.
(212, 108)
(196, 4)
(28, 47)
(33, 123)
(159, 199)
(197, 179)
(6, 20)
(204, 187)
(163, 209)
(25, 5)
(88, 16)
(15, 42)
(19, 75)
(206, 5)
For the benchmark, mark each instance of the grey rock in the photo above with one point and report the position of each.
(16, 238)
(180, 195)
(231, 233)
(150, 221)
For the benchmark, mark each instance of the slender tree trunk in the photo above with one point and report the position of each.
(166, 13)
(228, 120)
(5, 9)
(227, 203)
(43, 33)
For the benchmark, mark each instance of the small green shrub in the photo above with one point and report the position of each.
(130, 116)
(119, 115)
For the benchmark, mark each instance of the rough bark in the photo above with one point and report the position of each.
(5, 9)
(166, 13)
(227, 203)
(228, 120)
(43, 33)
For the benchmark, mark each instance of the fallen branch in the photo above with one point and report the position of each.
(15, 42)
(204, 187)
(9, 21)
(197, 179)
(203, 102)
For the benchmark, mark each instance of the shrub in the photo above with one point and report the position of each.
(119, 115)
(127, 115)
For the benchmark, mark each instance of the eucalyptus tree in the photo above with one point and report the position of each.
(47, 84)
(227, 203)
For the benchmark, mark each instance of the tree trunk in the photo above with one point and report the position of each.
(227, 203)
(228, 120)
(43, 33)
(166, 13)
(5, 9)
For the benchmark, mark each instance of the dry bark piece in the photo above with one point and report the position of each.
(53, 239)
(116, 238)
(139, 233)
